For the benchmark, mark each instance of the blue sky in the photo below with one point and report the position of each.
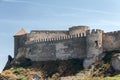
(53, 14)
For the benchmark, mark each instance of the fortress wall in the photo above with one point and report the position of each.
(74, 48)
(64, 49)
(41, 52)
(111, 41)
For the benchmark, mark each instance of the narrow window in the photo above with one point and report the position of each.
(96, 44)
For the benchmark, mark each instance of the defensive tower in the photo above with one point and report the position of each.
(19, 40)
(93, 46)
(78, 29)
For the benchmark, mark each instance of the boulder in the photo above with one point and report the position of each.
(87, 63)
(115, 62)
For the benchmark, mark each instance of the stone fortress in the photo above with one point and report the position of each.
(77, 42)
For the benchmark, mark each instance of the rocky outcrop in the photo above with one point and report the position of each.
(10, 59)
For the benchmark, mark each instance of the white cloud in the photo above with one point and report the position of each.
(95, 11)
(108, 22)
(13, 1)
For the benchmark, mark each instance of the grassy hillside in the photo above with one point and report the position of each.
(21, 73)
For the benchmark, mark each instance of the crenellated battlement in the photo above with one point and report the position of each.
(94, 31)
(112, 33)
(58, 38)
(36, 36)
(48, 36)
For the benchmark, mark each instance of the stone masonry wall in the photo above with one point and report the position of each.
(64, 49)
(111, 41)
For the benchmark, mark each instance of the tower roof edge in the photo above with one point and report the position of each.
(21, 32)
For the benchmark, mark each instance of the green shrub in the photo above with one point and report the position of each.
(22, 78)
(52, 79)
(19, 70)
(117, 77)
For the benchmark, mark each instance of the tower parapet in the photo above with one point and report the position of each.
(113, 33)
(93, 31)
(78, 29)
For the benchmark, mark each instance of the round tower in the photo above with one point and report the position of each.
(19, 40)
(93, 47)
(78, 29)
